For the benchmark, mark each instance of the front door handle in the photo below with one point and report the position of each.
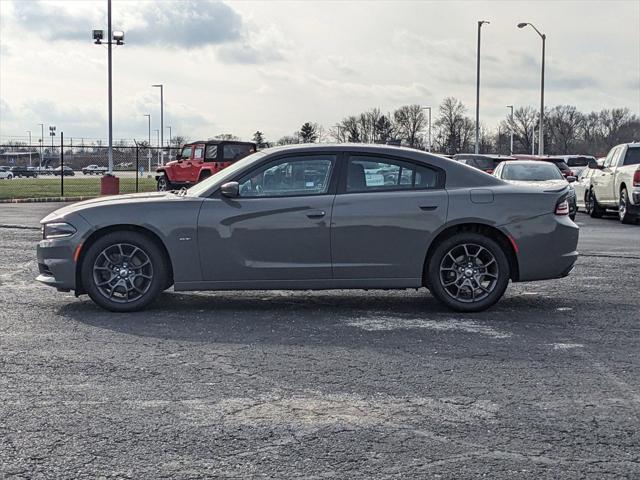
(428, 208)
(316, 214)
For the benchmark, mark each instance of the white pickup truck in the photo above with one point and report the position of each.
(617, 184)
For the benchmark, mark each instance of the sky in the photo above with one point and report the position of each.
(237, 67)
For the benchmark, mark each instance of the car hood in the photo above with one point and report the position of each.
(112, 200)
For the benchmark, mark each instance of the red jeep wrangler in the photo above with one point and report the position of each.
(199, 160)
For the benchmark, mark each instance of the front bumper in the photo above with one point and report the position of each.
(55, 263)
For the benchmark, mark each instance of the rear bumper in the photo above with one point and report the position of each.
(547, 246)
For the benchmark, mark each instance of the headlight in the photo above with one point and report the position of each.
(57, 230)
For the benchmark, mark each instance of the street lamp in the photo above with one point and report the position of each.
(41, 141)
(29, 132)
(113, 38)
(540, 129)
(169, 142)
(477, 149)
(339, 129)
(161, 119)
(511, 129)
(159, 145)
(429, 144)
(149, 145)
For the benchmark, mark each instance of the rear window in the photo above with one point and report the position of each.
(632, 157)
(578, 161)
(236, 152)
(482, 163)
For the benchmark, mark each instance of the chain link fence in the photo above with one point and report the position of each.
(75, 171)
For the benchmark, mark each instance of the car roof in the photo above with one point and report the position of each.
(466, 156)
(524, 162)
(218, 142)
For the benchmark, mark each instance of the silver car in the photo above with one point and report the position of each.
(315, 217)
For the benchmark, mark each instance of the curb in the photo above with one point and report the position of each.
(46, 199)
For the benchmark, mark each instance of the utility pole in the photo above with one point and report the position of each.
(429, 144)
(477, 149)
(541, 128)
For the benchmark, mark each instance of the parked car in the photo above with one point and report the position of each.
(200, 160)
(577, 163)
(19, 171)
(44, 170)
(486, 163)
(544, 174)
(582, 186)
(315, 217)
(616, 184)
(67, 171)
(5, 173)
(94, 170)
(559, 162)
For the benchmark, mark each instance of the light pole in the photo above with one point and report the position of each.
(477, 149)
(339, 129)
(29, 132)
(541, 128)
(52, 133)
(511, 129)
(149, 144)
(169, 143)
(159, 145)
(161, 120)
(41, 141)
(113, 38)
(429, 144)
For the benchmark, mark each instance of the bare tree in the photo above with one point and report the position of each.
(563, 123)
(410, 121)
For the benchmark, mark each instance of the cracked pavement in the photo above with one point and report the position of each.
(334, 384)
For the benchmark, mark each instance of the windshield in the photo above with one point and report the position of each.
(532, 172)
(230, 171)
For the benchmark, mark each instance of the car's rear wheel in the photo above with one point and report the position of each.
(164, 184)
(468, 272)
(623, 208)
(124, 271)
(596, 211)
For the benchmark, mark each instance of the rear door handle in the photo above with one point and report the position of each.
(316, 214)
(428, 208)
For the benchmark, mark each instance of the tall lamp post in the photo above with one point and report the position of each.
(41, 141)
(541, 127)
(158, 132)
(113, 38)
(429, 143)
(149, 144)
(477, 149)
(29, 132)
(511, 129)
(161, 121)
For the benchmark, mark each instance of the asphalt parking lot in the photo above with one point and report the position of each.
(335, 384)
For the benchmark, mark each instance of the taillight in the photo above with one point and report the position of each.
(562, 208)
(636, 178)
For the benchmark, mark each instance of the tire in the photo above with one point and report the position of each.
(474, 260)
(164, 184)
(596, 211)
(623, 208)
(110, 281)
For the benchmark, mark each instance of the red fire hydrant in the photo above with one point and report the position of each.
(109, 184)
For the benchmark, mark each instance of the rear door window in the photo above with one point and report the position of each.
(365, 174)
(198, 152)
(211, 152)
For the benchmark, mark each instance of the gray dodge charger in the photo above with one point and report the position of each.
(315, 217)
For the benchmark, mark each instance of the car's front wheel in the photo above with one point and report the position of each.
(124, 271)
(468, 272)
(163, 183)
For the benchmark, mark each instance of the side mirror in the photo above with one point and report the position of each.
(571, 179)
(230, 189)
(595, 165)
